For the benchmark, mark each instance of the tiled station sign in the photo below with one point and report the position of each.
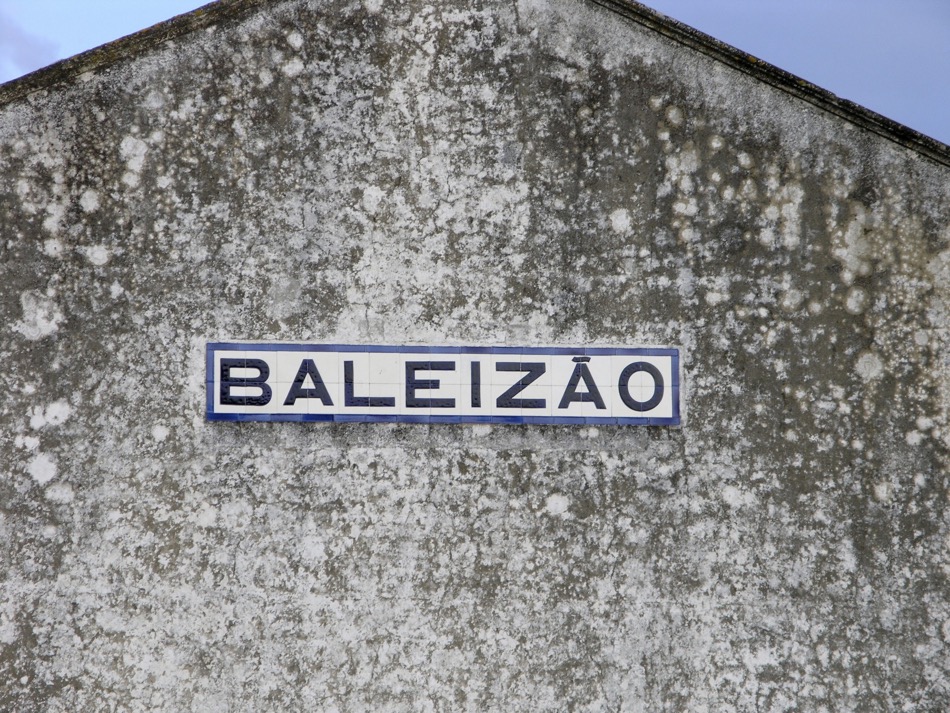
(443, 384)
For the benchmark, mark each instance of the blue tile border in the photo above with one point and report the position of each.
(447, 349)
(401, 418)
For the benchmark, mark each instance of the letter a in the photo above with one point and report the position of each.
(581, 372)
(297, 391)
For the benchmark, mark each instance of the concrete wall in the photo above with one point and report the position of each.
(532, 173)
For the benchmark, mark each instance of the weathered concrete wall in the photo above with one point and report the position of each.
(534, 172)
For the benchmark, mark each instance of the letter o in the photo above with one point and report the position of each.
(624, 386)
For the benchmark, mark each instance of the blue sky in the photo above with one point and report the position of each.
(892, 56)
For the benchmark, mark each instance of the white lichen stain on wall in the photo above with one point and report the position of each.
(620, 221)
(557, 504)
(41, 316)
(53, 415)
(89, 200)
(42, 468)
(133, 150)
(781, 220)
(851, 246)
(60, 493)
(96, 254)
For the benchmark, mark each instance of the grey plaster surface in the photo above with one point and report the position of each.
(535, 173)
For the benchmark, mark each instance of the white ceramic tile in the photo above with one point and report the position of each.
(641, 386)
(562, 372)
(496, 390)
(485, 371)
(385, 368)
(239, 372)
(453, 376)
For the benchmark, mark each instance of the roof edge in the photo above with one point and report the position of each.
(780, 79)
(124, 48)
(215, 12)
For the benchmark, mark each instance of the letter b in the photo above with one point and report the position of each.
(227, 382)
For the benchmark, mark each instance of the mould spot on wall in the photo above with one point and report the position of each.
(30, 443)
(883, 491)
(372, 196)
(620, 221)
(133, 150)
(851, 247)
(857, 300)
(265, 77)
(293, 67)
(52, 248)
(160, 432)
(54, 216)
(736, 498)
(89, 200)
(54, 415)
(206, 516)
(42, 468)
(41, 316)
(96, 254)
(869, 366)
(791, 299)
(155, 100)
(556, 504)
(61, 493)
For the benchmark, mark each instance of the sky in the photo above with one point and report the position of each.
(891, 56)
